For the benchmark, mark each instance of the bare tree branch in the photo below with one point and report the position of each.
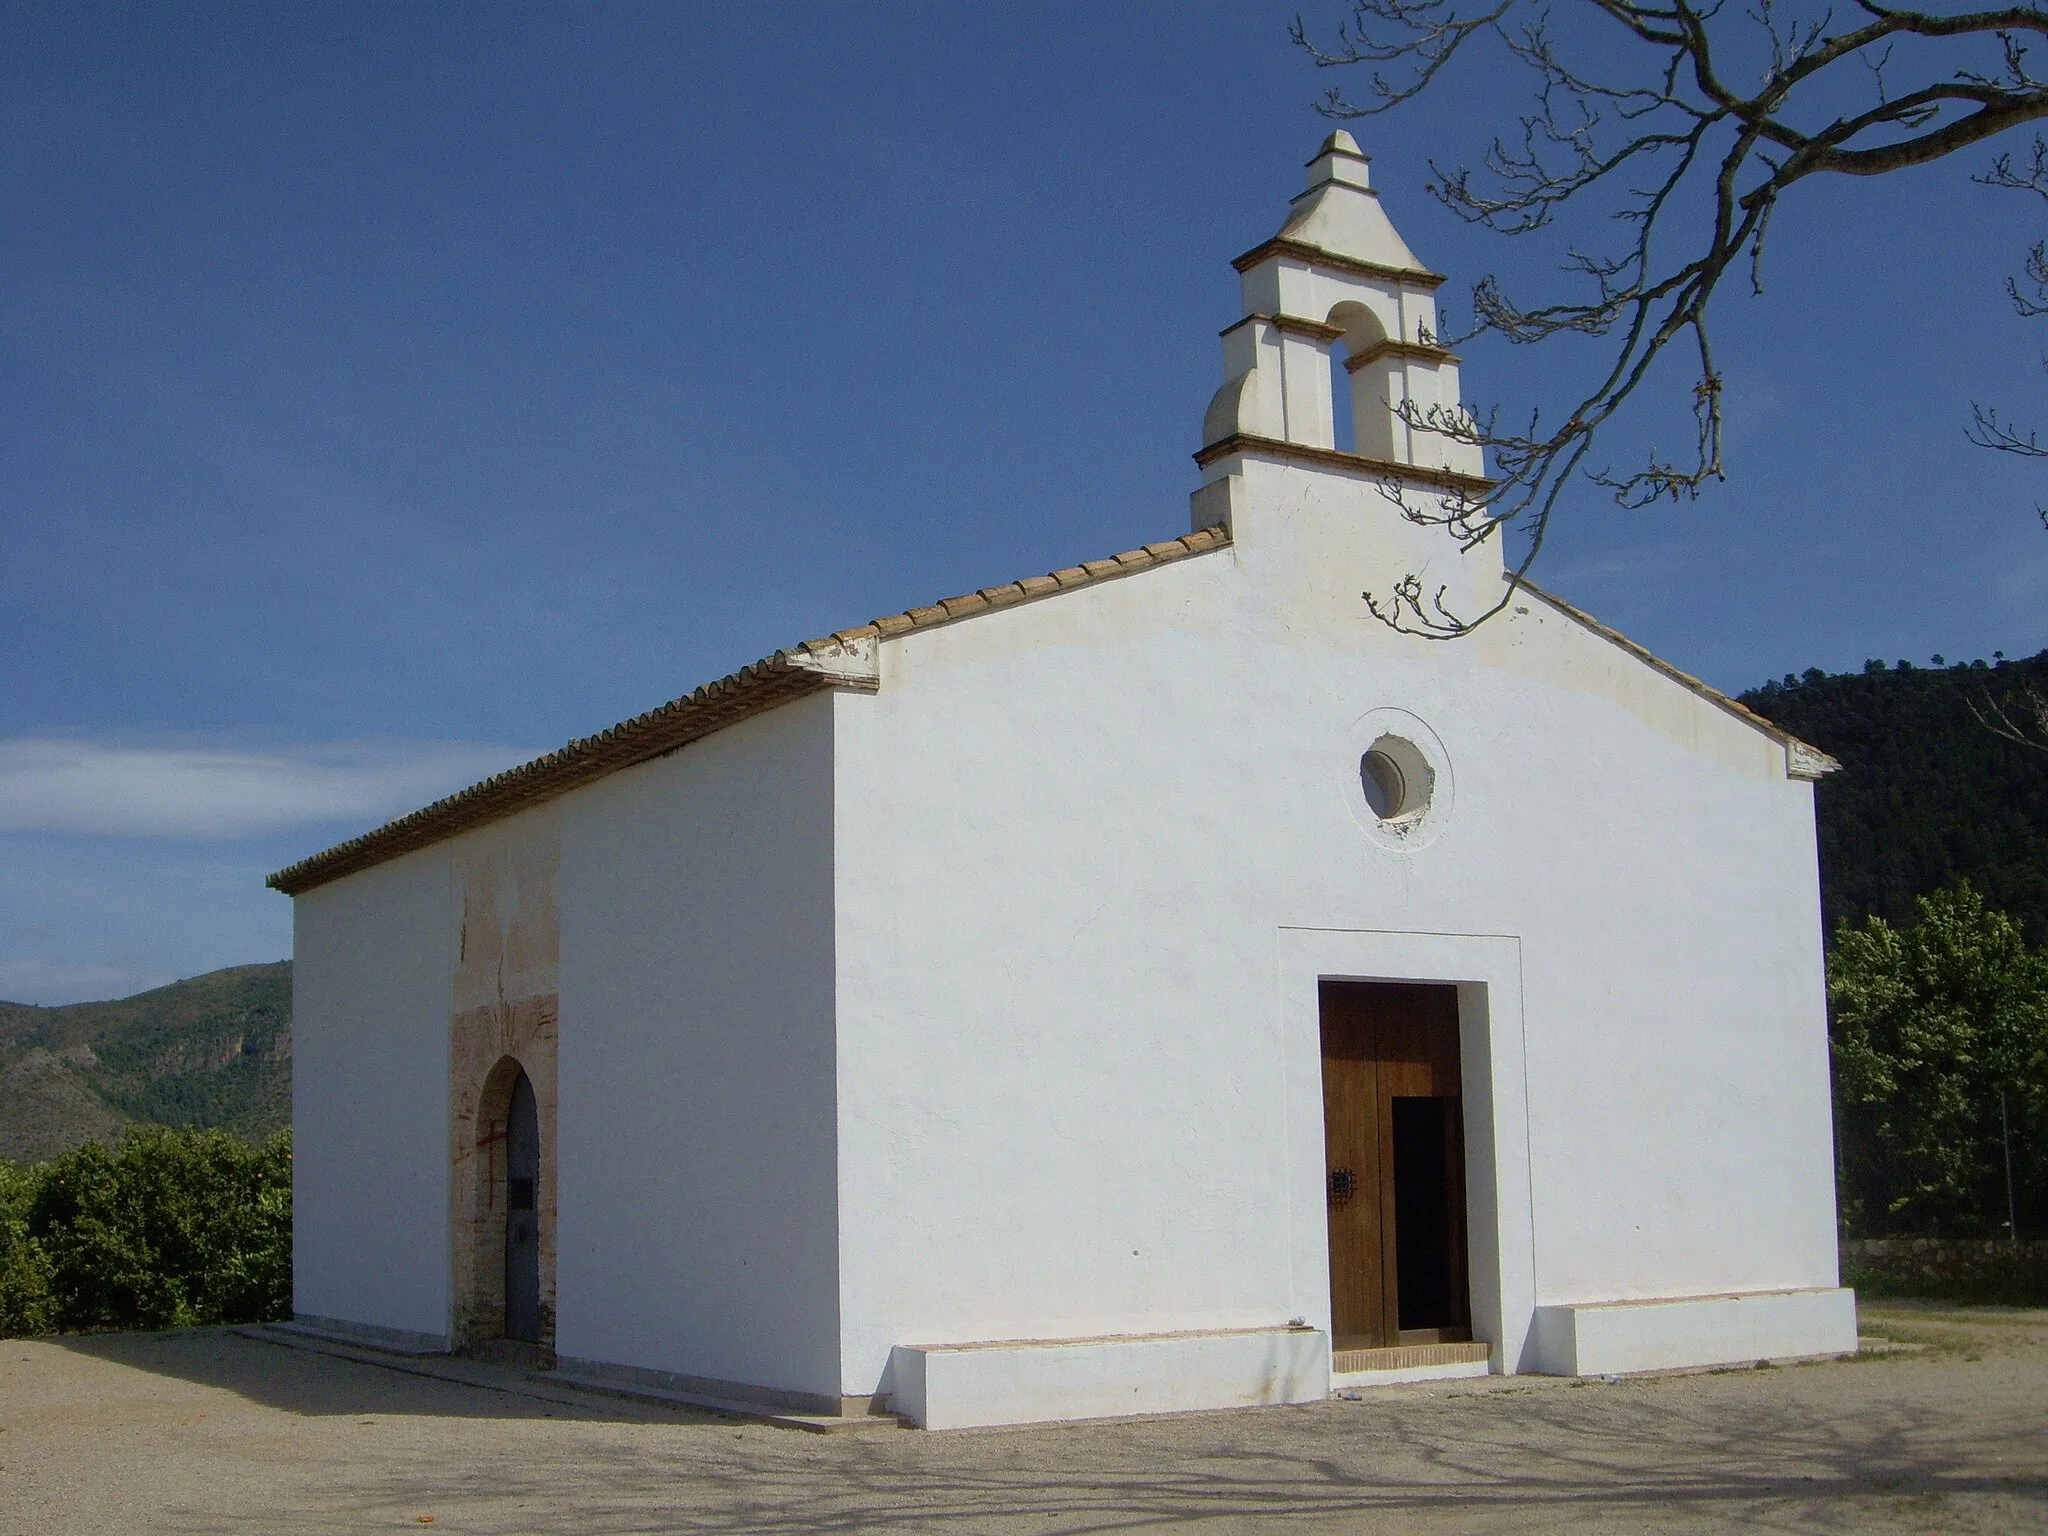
(1688, 152)
(1985, 429)
(2022, 719)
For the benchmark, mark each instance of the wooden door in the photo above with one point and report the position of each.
(522, 1215)
(1393, 1131)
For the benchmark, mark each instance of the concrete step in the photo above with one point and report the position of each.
(811, 1423)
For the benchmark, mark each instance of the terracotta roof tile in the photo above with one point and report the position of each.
(1811, 761)
(830, 662)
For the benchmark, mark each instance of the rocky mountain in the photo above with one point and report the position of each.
(215, 1050)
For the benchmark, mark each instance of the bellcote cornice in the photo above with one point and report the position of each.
(1338, 284)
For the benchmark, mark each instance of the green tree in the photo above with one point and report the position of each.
(177, 1228)
(26, 1305)
(1940, 1032)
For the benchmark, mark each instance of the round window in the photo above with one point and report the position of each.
(1396, 778)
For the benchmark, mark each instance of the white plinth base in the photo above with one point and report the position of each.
(959, 1386)
(1602, 1338)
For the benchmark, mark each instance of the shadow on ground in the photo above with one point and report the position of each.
(1627, 1461)
(302, 1381)
(1949, 1439)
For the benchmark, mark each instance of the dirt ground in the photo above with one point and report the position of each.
(213, 1431)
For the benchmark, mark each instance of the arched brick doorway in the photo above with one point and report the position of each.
(504, 1201)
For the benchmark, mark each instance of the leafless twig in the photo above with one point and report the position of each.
(1724, 113)
(2022, 719)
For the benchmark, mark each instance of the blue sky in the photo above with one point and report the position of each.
(389, 391)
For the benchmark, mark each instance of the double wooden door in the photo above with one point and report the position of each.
(1393, 1135)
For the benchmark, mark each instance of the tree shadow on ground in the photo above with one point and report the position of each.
(1848, 1447)
(1531, 1464)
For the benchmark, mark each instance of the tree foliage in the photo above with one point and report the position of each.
(1940, 1033)
(1926, 797)
(1685, 125)
(173, 1229)
(25, 1302)
(1927, 800)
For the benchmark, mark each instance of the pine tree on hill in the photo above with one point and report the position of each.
(1928, 795)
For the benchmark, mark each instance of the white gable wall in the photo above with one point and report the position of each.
(698, 1218)
(370, 970)
(1070, 837)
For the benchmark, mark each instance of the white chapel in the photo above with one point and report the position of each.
(1155, 985)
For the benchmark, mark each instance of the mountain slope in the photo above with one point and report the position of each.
(1927, 795)
(211, 1051)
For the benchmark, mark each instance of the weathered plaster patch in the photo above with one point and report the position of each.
(504, 1017)
(1535, 641)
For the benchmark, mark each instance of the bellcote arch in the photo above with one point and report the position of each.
(1337, 287)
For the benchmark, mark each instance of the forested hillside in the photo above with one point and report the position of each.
(212, 1051)
(1927, 794)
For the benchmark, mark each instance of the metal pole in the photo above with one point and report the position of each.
(2012, 1230)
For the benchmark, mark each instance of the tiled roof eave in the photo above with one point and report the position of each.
(845, 659)
(750, 691)
(1803, 760)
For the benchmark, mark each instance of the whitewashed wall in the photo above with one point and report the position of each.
(698, 1202)
(370, 1097)
(1070, 835)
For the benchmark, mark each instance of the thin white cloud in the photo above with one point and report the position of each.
(1632, 569)
(127, 790)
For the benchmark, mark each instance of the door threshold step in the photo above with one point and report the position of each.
(1401, 1357)
(1408, 1362)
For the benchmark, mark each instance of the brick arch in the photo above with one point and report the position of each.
(504, 1010)
(483, 1098)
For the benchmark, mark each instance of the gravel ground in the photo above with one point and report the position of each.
(212, 1431)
